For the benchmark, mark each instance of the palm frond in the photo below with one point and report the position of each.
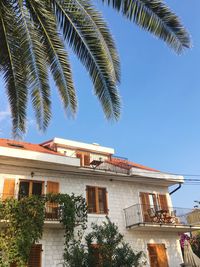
(99, 26)
(55, 53)
(155, 17)
(88, 47)
(13, 65)
(40, 89)
(35, 58)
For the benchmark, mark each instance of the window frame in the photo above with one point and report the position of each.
(96, 204)
(31, 186)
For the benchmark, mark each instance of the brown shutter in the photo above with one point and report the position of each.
(157, 255)
(52, 187)
(153, 255)
(102, 200)
(35, 256)
(106, 202)
(145, 203)
(8, 188)
(163, 202)
(80, 156)
(86, 159)
(91, 199)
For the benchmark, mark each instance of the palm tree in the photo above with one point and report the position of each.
(32, 44)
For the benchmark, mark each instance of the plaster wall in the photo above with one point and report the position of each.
(121, 194)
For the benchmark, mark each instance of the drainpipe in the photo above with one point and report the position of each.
(176, 189)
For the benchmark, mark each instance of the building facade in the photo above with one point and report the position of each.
(135, 197)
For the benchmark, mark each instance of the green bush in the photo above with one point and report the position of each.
(104, 247)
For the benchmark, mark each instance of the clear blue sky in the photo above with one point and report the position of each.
(160, 120)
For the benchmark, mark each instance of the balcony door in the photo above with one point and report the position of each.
(150, 203)
(157, 255)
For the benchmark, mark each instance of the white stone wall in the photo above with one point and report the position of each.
(121, 194)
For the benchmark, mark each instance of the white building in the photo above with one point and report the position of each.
(135, 197)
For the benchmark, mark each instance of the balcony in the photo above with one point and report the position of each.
(143, 217)
(53, 214)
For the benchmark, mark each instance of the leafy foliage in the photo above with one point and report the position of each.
(105, 247)
(195, 244)
(24, 220)
(33, 35)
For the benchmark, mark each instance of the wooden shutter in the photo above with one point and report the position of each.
(52, 187)
(86, 159)
(145, 204)
(102, 200)
(91, 199)
(8, 188)
(153, 255)
(35, 257)
(163, 202)
(80, 156)
(157, 255)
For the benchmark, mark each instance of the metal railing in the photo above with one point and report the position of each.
(138, 213)
(53, 211)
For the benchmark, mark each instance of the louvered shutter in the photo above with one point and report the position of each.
(157, 255)
(153, 255)
(145, 204)
(163, 202)
(80, 156)
(8, 188)
(91, 199)
(162, 255)
(86, 159)
(102, 199)
(52, 209)
(35, 256)
(52, 187)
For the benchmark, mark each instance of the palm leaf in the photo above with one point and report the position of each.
(88, 47)
(55, 53)
(35, 58)
(155, 17)
(99, 26)
(13, 65)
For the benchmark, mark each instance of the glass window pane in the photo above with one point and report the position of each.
(37, 189)
(23, 189)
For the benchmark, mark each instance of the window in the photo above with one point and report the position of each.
(27, 188)
(97, 200)
(157, 255)
(84, 158)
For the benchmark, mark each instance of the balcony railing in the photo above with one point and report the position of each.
(145, 214)
(53, 211)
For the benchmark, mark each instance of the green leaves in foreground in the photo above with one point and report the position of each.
(33, 35)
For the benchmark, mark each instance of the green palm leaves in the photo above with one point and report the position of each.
(32, 36)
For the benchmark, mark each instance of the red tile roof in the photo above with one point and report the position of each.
(125, 164)
(27, 146)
